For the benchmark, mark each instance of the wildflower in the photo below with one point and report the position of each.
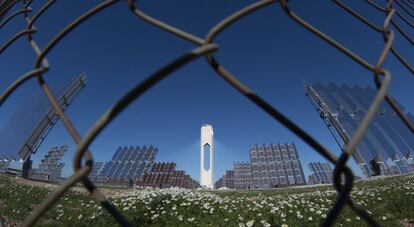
(250, 223)
(266, 224)
(319, 212)
(80, 216)
(190, 219)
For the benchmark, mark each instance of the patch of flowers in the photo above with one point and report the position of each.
(181, 207)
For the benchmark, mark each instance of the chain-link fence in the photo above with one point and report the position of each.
(205, 46)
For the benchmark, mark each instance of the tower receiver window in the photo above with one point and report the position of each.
(206, 156)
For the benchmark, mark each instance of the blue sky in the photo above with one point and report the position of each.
(266, 50)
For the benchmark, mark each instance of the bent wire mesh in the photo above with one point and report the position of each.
(206, 46)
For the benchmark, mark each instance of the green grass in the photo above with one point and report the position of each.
(390, 200)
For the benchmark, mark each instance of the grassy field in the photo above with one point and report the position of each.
(390, 200)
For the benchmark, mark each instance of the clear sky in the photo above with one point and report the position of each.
(266, 50)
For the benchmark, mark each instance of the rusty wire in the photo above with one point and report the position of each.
(206, 47)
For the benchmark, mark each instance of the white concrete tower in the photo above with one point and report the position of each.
(206, 156)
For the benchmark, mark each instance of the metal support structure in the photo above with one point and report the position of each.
(331, 121)
(45, 125)
(27, 166)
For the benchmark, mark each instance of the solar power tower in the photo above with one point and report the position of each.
(31, 123)
(206, 156)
